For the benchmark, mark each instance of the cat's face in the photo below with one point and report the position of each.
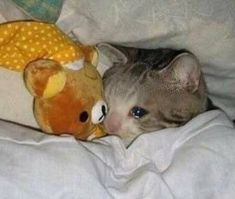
(154, 91)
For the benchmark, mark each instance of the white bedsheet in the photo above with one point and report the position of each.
(195, 161)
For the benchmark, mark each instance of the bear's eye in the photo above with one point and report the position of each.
(83, 116)
(99, 112)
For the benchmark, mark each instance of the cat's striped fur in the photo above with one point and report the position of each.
(167, 83)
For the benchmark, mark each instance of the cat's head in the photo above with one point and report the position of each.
(148, 90)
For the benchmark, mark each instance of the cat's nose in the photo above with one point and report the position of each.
(112, 123)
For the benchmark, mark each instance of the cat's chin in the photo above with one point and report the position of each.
(129, 138)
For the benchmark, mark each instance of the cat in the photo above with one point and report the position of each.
(151, 89)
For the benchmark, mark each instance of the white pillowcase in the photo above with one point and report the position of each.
(16, 103)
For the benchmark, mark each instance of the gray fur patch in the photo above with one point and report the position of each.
(151, 80)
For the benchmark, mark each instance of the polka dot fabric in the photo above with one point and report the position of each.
(23, 42)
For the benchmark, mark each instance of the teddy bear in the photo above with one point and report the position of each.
(61, 75)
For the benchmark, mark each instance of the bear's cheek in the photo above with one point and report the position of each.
(62, 113)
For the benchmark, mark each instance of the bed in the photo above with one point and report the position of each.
(193, 161)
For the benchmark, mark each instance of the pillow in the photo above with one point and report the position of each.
(44, 10)
(207, 28)
(16, 103)
(9, 11)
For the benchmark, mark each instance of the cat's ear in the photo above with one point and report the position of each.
(185, 71)
(109, 56)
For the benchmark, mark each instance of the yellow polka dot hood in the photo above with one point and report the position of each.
(25, 41)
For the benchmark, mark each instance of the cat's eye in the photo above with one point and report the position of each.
(83, 116)
(138, 112)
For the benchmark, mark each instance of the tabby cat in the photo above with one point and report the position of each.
(147, 90)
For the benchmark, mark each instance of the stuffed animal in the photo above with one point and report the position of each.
(60, 74)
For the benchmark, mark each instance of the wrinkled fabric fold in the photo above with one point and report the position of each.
(193, 161)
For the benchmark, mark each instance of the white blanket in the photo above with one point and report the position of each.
(191, 162)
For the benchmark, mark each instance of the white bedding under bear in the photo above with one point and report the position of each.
(194, 161)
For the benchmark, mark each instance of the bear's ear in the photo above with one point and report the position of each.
(44, 78)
